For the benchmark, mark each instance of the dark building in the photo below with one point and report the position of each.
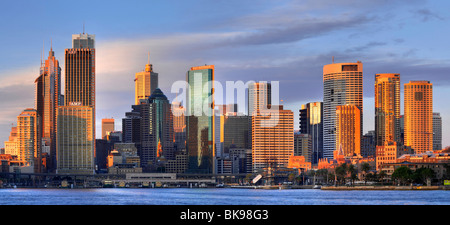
(311, 122)
(157, 140)
(368, 144)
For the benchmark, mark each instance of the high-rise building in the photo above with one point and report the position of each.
(368, 147)
(76, 119)
(272, 138)
(47, 100)
(236, 132)
(107, 126)
(418, 110)
(145, 83)
(437, 131)
(343, 84)
(11, 143)
(156, 130)
(27, 144)
(348, 129)
(75, 140)
(387, 108)
(311, 122)
(200, 121)
(303, 146)
(259, 97)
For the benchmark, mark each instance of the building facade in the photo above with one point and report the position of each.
(145, 83)
(200, 120)
(107, 126)
(437, 131)
(342, 85)
(311, 122)
(348, 129)
(387, 108)
(418, 119)
(272, 138)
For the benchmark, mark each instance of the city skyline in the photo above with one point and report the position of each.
(291, 53)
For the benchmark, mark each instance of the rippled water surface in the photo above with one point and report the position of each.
(226, 196)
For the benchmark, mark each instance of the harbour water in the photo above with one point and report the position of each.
(219, 196)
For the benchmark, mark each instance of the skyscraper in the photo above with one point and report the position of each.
(272, 138)
(157, 140)
(311, 122)
(259, 97)
(76, 119)
(348, 129)
(437, 131)
(107, 126)
(342, 86)
(145, 83)
(200, 121)
(387, 108)
(76, 141)
(419, 116)
(28, 146)
(47, 100)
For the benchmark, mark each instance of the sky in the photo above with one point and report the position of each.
(266, 40)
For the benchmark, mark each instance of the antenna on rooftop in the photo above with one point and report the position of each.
(332, 59)
(83, 27)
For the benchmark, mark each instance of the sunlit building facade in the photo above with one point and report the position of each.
(272, 138)
(348, 129)
(259, 97)
(311, 122)
(47, 100)
(145, 83)
(343, 84)
(200, 120)
(387, 108)
(107, 126)
(27, 144)
(418, 119)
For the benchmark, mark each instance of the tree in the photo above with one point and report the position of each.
(421, 175)
(365, 167)
(341, 172)
(403, 173)
(351, 172)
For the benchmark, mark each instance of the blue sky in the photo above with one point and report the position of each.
(285, 41)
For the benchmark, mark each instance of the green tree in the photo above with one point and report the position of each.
(365, 167)
(341, 172)
(403, 174)
(421, 175)
(351, 172)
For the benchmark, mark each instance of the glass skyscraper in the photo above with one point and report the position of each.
(200, 120)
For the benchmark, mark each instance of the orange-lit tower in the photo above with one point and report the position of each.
(145, 83)
(387, 108)
(47, 100)
(419, 116)
(348, 129)
(272, 138)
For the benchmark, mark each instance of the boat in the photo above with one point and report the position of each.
(317, 187)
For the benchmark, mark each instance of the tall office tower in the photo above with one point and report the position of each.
(387, 108)
(272, 138)
(28, 146)
(437, 131)
(311, 122)
(419, 116)
(179, 125)
(76, 119)
(11, 143)
(107, 126)
(156, 130)
(303, 146)
(342, 85)
(76, 141)
(259, 97)
(145, 83)
(200, 121)
(348, 129)
(236, 132)
(47, 100)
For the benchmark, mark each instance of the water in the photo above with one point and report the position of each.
(221, 196)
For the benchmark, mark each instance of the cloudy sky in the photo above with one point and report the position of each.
(273, 40)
